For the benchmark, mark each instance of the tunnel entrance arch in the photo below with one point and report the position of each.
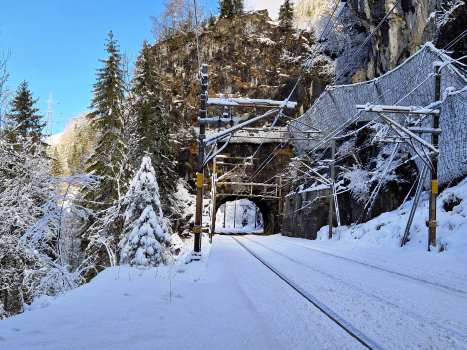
(268, 208)
(241, 215)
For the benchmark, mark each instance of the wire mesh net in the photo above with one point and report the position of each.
(410, 84)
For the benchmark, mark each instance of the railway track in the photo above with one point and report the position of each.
(353, 331)
(442, 327)
(440, 285)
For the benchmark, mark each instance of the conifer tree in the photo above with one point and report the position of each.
(56, 164)
(107, 117)
(238, 6)
(146, 237)
(23, 120)
(107, 162)
(152, 132)
(226, 8)
(286, 14)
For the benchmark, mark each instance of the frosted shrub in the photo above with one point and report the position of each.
(359, 183)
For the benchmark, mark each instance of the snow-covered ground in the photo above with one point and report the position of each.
(401, 298)
(388, 229)
(229, 301)
(54, 139)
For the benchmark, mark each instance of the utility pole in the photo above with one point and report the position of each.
(200, 176)
(432, 223)
(331, 200)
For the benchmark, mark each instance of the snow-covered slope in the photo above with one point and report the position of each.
(387, 229)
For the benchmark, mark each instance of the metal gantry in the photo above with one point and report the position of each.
(225, 118)
(430, 158)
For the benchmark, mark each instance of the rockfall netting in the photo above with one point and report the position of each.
(410, 84)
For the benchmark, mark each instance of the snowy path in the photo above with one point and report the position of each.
(396, 309)
(230, 301)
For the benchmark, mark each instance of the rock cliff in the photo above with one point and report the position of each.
(248, 56)
(409, 26)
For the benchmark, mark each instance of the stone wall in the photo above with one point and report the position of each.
(305, 213)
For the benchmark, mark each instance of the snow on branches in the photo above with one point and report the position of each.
(444, 15)
(146, 240)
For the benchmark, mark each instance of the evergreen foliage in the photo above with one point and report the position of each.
(22, 120)
(108, 162)
(57, 169)
(107, 118)
(238, 6)
(286, 14)
(146, 237)
(226, 8)
(151, 130)
(77, 145)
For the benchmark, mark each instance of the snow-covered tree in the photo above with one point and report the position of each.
(23, 192)
(286, 14)
(45, 239)
(149, 126)
(146, 239)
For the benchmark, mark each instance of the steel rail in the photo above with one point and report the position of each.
(334, 316)
(444, 286)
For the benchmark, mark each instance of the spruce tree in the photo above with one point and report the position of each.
(226, 8)
(237, 6)
(146, 238)
(152, 132)
(286, 14)
(108, 161)
(107, 118)
(23, 120)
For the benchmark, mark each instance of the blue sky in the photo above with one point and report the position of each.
(55, 45)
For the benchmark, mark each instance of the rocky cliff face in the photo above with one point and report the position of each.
(248, 56)
(399, 37)
(408, 27)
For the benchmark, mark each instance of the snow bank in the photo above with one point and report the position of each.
(387, 229)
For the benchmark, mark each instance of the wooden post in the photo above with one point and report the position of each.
(331, 200)
(432, 223)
